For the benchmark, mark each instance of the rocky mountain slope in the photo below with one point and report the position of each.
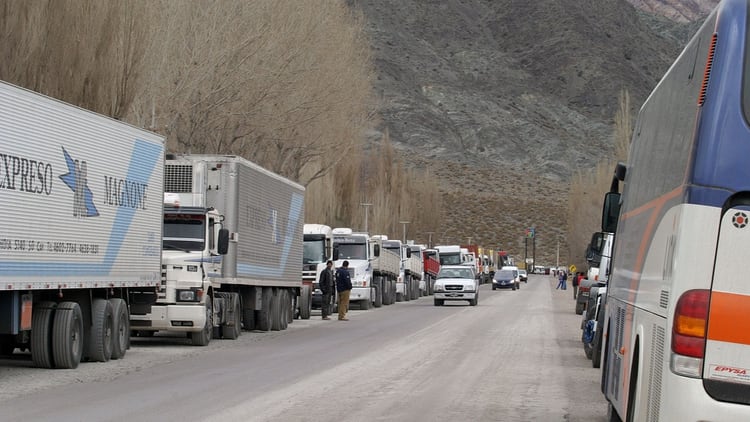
(504, 100)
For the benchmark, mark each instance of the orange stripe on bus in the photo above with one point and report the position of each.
(729, 318)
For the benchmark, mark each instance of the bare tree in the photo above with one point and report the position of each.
(88, 53)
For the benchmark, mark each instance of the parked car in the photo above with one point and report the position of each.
(523, 275)
(456, 282)
(506, 277)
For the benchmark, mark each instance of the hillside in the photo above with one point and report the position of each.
(504, 100)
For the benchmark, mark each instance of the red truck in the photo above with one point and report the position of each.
(431, 268)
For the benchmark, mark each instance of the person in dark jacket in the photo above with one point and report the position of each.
(327, 286)
(344, 287)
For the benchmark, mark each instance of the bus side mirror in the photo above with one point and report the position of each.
(610, 212)
(336, 254)
(223, 246)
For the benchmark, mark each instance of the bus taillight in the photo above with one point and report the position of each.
(689, 329)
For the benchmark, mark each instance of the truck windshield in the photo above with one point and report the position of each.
(450, 259)
(184, 232)
(352, 250)
(455, 273)
(314, 251)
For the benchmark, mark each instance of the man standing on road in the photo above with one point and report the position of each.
(344, 287)
(328, 287)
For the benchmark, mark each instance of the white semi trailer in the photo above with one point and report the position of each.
(232, 251)
(82, 201)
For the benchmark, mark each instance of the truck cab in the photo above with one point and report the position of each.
(403, 282)
(193, 245)
(317, 249)
(359, 249)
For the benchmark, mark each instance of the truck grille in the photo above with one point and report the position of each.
(454, 287)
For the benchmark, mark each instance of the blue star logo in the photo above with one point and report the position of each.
(76, 179)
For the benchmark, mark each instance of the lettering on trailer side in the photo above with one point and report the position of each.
(25, 175)
(125, 193)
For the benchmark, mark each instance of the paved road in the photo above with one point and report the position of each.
(517, 356)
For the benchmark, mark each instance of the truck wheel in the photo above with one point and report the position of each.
(399, 297)
(579, 308)
(284, 309)
(388, 296)
(305, 302)
(203, 337)
(378, 292)
(232, 332)
(120, 328)
(248, 309)
(263, 316)
(364, 304)
(276, 310)
(41, 334)
(291, 307)
(99, 338)
(67, 336)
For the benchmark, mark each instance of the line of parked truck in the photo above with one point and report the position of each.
(107, 237)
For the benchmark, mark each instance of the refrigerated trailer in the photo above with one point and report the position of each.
(232, 250)
(82, 204)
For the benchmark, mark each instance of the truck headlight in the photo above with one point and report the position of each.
(188, 296)
(439, 287)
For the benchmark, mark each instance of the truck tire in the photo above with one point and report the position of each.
(120, 328)
(284, 309)
(276, 310)
(378, 292)
(232, 332)
(67, 335)
(99, 338)
(263, 315)
(364, 304)
(291, 305)
(248, 309)
(203, 337)
(388, 296)
(305, 302)
(579, 308)
(41, 334)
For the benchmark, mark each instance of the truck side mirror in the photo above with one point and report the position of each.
(610, 212)
(376, 250)
(408, 252)
(223, 246)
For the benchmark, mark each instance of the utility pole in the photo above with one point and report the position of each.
(429, 242)
(404, 223)
(367, 211)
